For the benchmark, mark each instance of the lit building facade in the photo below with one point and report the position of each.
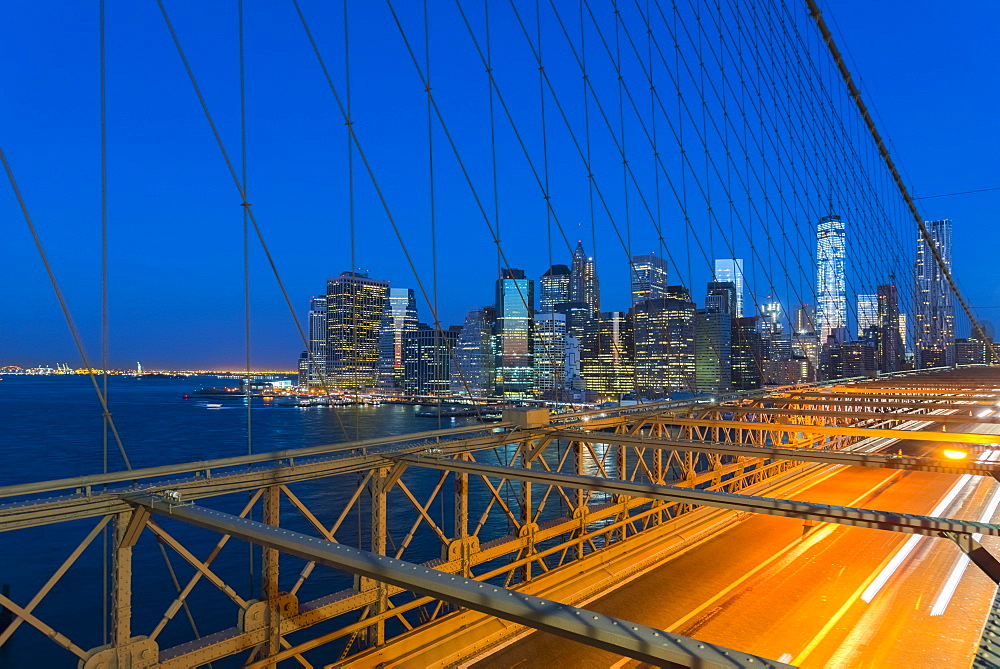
(514, 349)
(889, 352)
(664, 344)
(747, 353)
(554, 288)
(608, 356)
(316, 356)
(934, 341)
(472, 372)
(867, 313)
(399, 316)
(354, 306)
(713, 351)
(427, 360)
(550, 355)
(831, 286)
(731, 270)
(583, 284)
(649, 278)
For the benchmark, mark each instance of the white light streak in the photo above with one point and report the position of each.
(869, 594)
(955, 577)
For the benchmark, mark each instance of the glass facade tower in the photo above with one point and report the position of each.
(934, 341)
(649, 278)
(354, 307)
(515, 299)
(398, 317)
(731, 270)
(831, 295)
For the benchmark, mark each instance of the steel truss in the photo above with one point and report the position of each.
(497, 508)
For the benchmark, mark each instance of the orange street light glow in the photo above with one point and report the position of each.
(956, 455)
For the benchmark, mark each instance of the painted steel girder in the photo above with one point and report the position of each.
(824, 513)
(911, 435)
(801, 454)
(612, 634)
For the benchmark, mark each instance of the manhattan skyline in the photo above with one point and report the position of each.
(174, 241)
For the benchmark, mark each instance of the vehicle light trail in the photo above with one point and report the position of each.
(955, 577)
(911, 543)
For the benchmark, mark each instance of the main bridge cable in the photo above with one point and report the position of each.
(243, 198)
(65, 307)
(817, 16)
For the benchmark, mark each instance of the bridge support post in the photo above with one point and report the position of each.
(121, 588)
(526, 519)
(269, 574)
(577, 447)
(461, 530)
(376, 633)
(621, 464)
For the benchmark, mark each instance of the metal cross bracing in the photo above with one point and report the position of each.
(524, 509)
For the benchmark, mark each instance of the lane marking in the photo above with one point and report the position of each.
(955, 577)
(869, 594)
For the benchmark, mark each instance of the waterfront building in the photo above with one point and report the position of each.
(713, 350)
(550, 355)
(399, 316)
(867, 313)
(554, 288)
(649, 278)
(472, 372)
(806, 347)
(608, 356)
(889, 344)
(934, 342)
(514, 350)
(904, 335)
(427, 360)
(831, 295)
(664, 344)
(315, 371)
(583, 284)
(731, 270)
(354, 306)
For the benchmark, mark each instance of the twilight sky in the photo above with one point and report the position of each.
(175, 223)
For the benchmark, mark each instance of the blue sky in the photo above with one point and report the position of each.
(175, 222)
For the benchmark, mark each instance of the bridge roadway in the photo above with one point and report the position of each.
(771, 587)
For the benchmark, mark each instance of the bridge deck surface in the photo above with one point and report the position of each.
(763, 587)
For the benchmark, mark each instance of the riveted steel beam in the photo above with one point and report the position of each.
(612, 634)
(833, 457)
(824, 513)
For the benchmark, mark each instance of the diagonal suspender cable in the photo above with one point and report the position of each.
(817, 16)
(64, 306)
(239, 187)
(105, 545)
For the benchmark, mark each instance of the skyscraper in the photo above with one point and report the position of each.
(731, 270)
(583, 285)
(649, 278)
(399, 316)
(805, 320)
(889, 346)
(354, 306)
(748, 354)
(427, 360)
(473, 371)
(554, 288)
(721, 297)
(664, 344)
(713, 350)
(316, 356)
(515, 299)
(934, 343)
(608, 358)
(550, 354)
(831, 296)
(867, 313)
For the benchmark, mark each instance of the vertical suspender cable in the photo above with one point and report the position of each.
(246, 256)
(105, 547)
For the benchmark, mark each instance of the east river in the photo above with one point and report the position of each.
(51, 427)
